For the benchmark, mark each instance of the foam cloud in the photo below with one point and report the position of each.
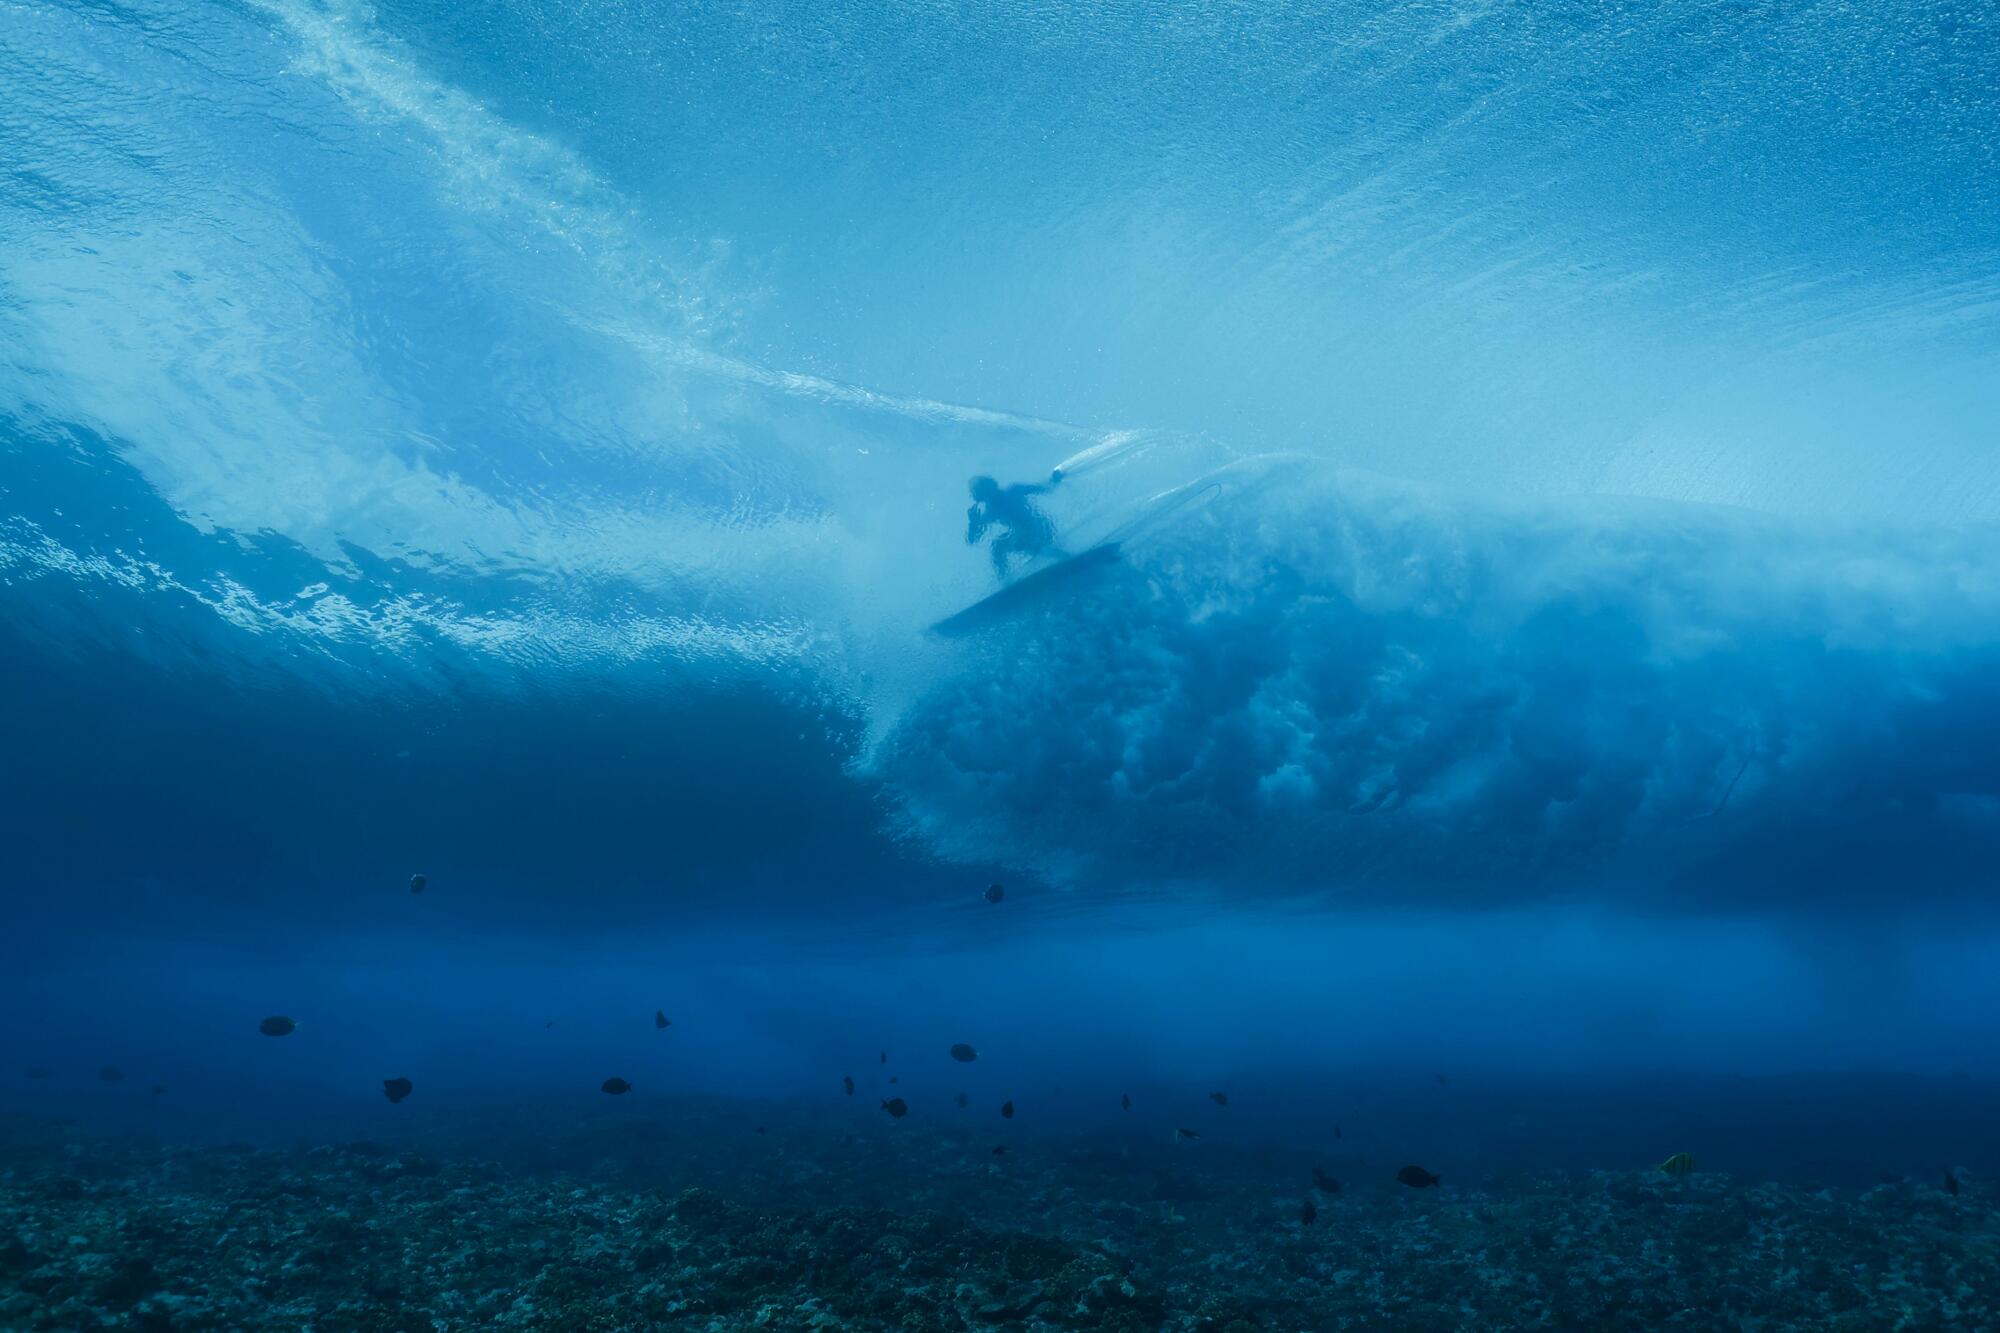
(1330, 684)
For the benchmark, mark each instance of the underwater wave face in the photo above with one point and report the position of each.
(378, 378)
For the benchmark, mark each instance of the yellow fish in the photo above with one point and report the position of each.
(1680, 1164)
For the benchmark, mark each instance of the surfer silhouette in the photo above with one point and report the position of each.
(1028, 531)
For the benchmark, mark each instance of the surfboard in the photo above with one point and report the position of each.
(1027, 589)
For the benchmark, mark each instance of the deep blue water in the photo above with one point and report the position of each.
(1554, 637)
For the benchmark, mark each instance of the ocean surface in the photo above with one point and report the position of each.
(1322, 589)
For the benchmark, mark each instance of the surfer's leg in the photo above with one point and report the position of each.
(1003, 550)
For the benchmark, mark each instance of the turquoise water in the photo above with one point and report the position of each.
(1543, 628)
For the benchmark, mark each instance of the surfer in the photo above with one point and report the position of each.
(1028, 531)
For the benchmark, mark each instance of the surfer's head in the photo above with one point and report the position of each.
(984, 489)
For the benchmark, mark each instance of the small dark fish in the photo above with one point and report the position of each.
(617, 1087)
(994, 893)
(760, 1129)
(962, 1100)
(1183, 1134)
(885, 1057)
(418, 883)
(895, 1078)
(1443, 1081)
(395, 1089)
(1336, 1131)
(1307, 1212)
(158, 1090)
(39, 1072)
(1416, 1177)
(964, 1054)
(660, 1019)
(546, 1026)
(1125, 1101)
(1006, 1110)
(1000, 1151)
(847, 1083)
(1951, 1184)
(111, 1073)
(1680, 1164)
(896, 1107)
(1324, 1183)
(1219, 1098)
(277, 1025)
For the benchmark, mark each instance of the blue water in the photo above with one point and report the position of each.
(1554, 638)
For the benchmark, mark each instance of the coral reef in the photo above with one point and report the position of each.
(97, 1232)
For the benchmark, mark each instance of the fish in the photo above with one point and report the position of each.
(994, 893)
(896, 1107)
(1336, 1131)
(760, 1129)
(1006, 1110)
(964, 1054)
(1307, 1212)
(1125, 1101)
(158, 1090)
(395, 1089)
(1443, 1081)
(1324, 1183)
(962, 1100)
(617, 1087)
(847, 1083)
(895, 1078)
(1000, 1150)
(277, 1025)
(111, 1073)
(1416, 1177)
(546, 1026)
(1219, 1098)
(1951, 1184)
(885, 1057)
(418, 883)
(1184, 1134)
(39, 1072)
(1680, 1164)
(660, 1019)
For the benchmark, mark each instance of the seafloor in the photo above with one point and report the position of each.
(699, 1219)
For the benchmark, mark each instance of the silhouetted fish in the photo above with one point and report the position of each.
(885, 1057)
(617, 1087)
(1324, 1183)
(418, 883)
(760, 1129)
(896, 1107)
(1307, 1212)
(395, 1089)
(158, 1090)
(895, 1078)
(964, 1054)
(962, 1100)
(111, 1073)
(1443, 1081)
(1219, 1098)
(660, 1019)
(39, 1072)
(1006, 1110)
(277, 1025)
(1125, 1101)
(1416, 1177)
(1000, 1150)
(847, 1082)
(1181, 1134)
(1336, 1131)
(1950, 1183)
(1680, 1164)
(994, 893)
